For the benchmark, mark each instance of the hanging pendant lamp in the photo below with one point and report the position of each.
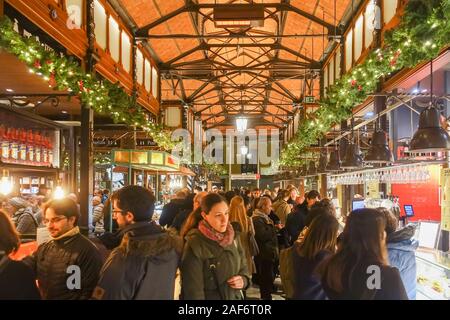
(343, 143)
(379, 151)
(335, 161)
(322, 162)
(304, 171)
(353, 157)
(312, 170)
(430, 137)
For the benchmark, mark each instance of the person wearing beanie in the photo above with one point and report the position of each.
(22, 215)
(144, 265)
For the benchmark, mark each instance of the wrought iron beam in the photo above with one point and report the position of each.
(233, 36)
(193, 7)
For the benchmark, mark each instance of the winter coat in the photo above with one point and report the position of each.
(266, 237)
(391, 286)
(307, 282)
(97, 219)
(25, 221)
(170, 211)
(180, 218)
(52, 259)
(17, 281)
(295, 221)
(198, 277)
(245, 238)
(402, 255)
(142, 267)
(282, 210)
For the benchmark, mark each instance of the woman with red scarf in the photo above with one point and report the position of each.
(213, 265)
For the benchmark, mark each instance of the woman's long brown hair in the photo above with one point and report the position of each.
(9, 238)
(238, 213)
(322, 235)
(363, 244)
(191, 222)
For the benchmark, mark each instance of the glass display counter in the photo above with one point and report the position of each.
(433, 274)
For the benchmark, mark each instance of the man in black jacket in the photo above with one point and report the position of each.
(295, 221)
(171, 209)
(66, 267)
(144, 265)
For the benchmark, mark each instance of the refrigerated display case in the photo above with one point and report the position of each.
(433, 275)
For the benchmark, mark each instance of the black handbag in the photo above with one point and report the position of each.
(253, 245)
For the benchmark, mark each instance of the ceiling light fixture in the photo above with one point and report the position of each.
(238, 16)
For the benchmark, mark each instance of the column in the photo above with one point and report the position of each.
(73, 170)
(87, 119)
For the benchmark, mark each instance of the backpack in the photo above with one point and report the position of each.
(287, 273)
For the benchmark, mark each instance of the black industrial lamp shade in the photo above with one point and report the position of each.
(343, 143)
(335, 161)
(312, 170)
(353, 158)
(430, 137)
(322, 163)
(379, 151)
(304, 170)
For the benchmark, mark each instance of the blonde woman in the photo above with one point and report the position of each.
(238, 214)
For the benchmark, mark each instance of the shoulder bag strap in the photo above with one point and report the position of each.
(212, 268)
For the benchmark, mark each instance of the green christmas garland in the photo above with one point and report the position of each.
(215, 168)
(424, 30)
(65, 74)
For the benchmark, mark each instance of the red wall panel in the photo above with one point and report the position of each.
(424, 197)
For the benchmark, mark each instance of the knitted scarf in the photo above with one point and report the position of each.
(258, 213)
(223, 239)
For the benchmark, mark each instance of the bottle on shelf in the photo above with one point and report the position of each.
(38, 148)
(44, 151)
(30, 147)
(23, 146)
(50, 152)
(14, 145)
(4, 142)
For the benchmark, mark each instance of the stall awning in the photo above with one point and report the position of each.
(148, 160)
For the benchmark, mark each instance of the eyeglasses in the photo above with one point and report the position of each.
(54, 220)
(116, 212)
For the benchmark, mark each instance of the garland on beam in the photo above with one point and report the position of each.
(65, 74)
(423, 31)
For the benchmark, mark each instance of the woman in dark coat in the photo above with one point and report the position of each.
(319, 244)
(266, 237)
(360, 270)
(16, 279)
(213, 265)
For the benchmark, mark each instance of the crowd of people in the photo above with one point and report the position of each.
(206, 245)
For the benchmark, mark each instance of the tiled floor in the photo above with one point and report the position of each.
(253, 292)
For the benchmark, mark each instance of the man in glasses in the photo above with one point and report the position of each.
(144, 265)
(67, 266)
